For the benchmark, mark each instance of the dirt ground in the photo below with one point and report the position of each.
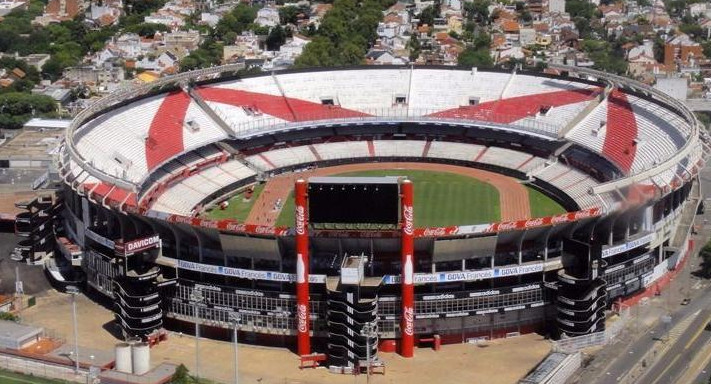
(514, 201)
(497, 362)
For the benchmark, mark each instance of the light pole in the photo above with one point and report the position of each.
(369, 330)
(74, 291)
(236, 319)
(196, 298)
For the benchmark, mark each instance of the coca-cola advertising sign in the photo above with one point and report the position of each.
(434, 232)
(408, 226)
(300, 220)
(409, 316)
(302, 321)
(263, 230)
(234, 227)
(536, 222)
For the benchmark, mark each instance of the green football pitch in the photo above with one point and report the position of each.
(443, 198)
(238, 208)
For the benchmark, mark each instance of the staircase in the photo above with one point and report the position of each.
(352, 310)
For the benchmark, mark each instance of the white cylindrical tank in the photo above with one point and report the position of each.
(141, 357)
(123, 358)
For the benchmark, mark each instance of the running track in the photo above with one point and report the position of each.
(513, 197)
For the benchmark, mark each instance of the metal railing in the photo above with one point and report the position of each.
(337, 116)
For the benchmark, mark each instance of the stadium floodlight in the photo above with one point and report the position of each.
(369, 330)
(236, 319)
(196, 297)
(74, 291)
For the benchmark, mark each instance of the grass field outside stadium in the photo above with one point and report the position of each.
(7, 377)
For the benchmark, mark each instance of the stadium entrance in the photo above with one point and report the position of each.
(354, 203)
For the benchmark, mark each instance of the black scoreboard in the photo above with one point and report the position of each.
(354, 200)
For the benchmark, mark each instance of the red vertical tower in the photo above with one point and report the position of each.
(407, 321)
(302, 269)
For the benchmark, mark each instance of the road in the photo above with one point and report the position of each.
(680, 355)
(32, 276)
(705, 375)
(630, 353)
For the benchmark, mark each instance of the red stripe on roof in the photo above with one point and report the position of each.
(165, 136)
(516, 108)
(289, 109)
(621, 130)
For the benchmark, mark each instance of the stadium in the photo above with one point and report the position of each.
(540, 202)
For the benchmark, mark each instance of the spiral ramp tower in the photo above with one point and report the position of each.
(352, 304)
(582, 293)
(35, 225)
(137, 292)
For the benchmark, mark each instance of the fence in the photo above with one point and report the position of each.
(578, 343)
(555, 369)
(40, 369)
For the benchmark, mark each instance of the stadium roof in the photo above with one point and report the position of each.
(38, 123)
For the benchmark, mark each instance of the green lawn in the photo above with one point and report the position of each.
(7, 377)
(238, 208)
(542, 205)
(286, 216)
(440, 198)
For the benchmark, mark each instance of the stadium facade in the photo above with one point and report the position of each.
(139, 166)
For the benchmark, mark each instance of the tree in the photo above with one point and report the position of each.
(415, 47)
(607, 57)
(276, 38)
(290, 14)
(580, 8)
(259, 30)
(704, 118)
(345, 34)
(18, 108)
(705, 254)
(427, 16)
(658, 49)
(526, 16)
(237, 20)
(209, 54)
(147, 29)
(482, 40)
(7, 316)
(320, 52)
(694, 30)
(52, 69)
(471, 57)
(181, 376)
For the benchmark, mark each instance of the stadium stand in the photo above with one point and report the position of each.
(399, 148)
(621, 132)
(457, 151)
(516, 108)
(591, 131)
(339, 150)
(165, 135)
(285, 157)
(351, 92)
